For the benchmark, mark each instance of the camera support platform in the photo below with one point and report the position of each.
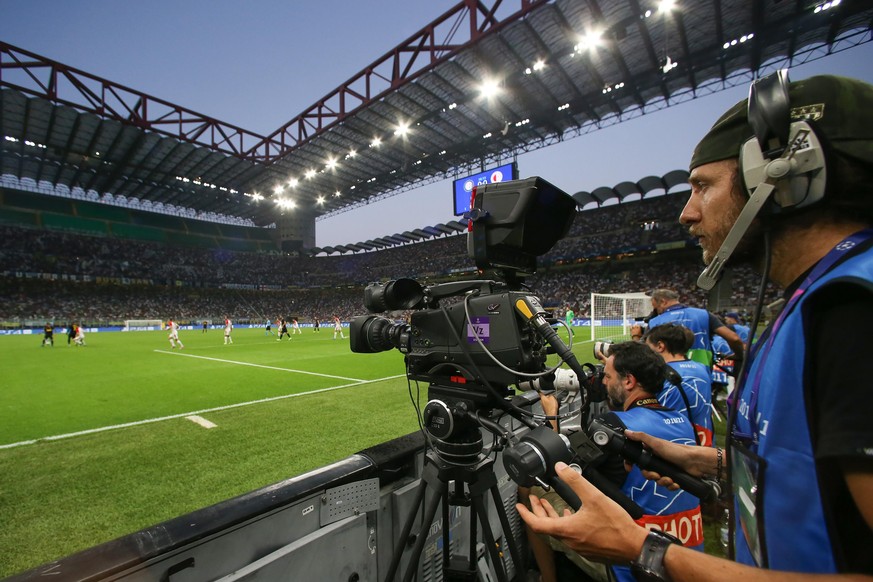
(471, 483)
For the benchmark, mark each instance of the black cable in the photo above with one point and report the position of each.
(741, 379)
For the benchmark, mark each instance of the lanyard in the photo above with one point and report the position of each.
(835, 255)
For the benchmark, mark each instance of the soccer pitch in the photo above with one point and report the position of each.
(95, 443)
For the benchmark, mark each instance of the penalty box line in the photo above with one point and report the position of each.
(260, 366)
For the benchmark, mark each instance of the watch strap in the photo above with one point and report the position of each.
(649, 565)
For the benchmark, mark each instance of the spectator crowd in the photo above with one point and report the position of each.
(48, 275)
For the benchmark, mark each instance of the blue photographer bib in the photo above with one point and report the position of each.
(780, 514)
(695, 319)
(675, 512)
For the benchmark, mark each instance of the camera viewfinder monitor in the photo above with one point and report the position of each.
(463, 187)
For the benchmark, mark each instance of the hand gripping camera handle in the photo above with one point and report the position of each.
(612, 491)
(614, 440)
(566, 493)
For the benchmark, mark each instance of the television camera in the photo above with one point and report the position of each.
(472, 341)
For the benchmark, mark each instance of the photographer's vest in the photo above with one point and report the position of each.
(676, 512)
(697, 386)
(695, 319)
(789, 505)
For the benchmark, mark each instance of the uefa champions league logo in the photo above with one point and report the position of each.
(845, 245)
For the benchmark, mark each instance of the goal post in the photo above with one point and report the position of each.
(612, 314)
(142, 324)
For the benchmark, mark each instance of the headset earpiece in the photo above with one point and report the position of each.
(789, 174)
(798, 175)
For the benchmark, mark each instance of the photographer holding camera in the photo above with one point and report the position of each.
(784, 180)
(693, 391)
(633, 376)
(665, 302)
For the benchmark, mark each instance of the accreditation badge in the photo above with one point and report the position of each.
(748, 481)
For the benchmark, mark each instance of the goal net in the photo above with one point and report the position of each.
(142, 324)
(612, 315)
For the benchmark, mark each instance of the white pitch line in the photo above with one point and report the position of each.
(201, 421)
(260, 366)
(192, 413)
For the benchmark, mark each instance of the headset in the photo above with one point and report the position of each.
(785, 161)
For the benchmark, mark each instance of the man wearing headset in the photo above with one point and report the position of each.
(782, 182)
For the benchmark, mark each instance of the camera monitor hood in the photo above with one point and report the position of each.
(512, 223)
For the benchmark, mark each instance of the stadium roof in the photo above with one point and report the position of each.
(423, 100)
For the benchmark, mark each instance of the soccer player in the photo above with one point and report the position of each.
(295, 326)
(48, 335)
(569, 317)
(337, 327)
(173, 335)
(79, 340)
(283, 330)
(268, 325)
(228, 328)
(315, 324)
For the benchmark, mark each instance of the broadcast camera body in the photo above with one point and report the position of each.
(485, 341)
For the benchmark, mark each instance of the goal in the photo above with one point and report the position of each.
(612, 315)
(142, 324)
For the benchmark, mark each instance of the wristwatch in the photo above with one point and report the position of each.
(649, 565)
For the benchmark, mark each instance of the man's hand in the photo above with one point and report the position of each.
(695, 460)
(600, 529)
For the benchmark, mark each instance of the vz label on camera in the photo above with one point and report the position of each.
(478, 326)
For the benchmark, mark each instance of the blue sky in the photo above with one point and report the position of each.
(259, 63)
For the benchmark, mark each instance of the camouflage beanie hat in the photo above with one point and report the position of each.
(840, 108)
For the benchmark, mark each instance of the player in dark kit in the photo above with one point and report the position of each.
(49, 335)
(283, 330)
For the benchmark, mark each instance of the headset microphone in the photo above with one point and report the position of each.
(795, 179)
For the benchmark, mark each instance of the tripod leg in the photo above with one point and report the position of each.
(426, 521)
(478, 505)
(404, 533)
(507, 531)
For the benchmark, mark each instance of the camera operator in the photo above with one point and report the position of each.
(801, 454)
(700, 321)
(633, 376)
(693, 394)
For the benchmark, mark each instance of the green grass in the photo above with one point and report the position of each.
(61, 496)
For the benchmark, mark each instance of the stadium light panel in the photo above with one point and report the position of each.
(489, 88)
(665, 6)
(589, 41)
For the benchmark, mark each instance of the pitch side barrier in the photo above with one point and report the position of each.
(339, 522)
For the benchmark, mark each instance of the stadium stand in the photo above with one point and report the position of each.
(109, 266)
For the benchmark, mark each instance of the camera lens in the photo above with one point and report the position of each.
(370, 334)
(400, 294)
